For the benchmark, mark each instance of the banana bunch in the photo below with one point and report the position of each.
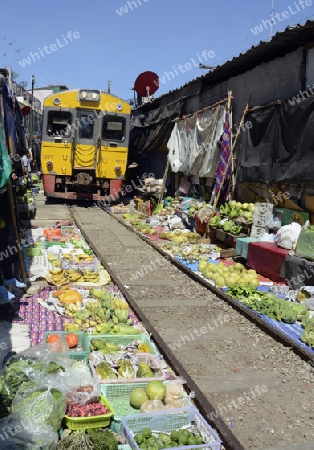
(71, 327)
(67, 256)
(74, 275)
(82, 257)
(224, 209)
(72, 308)
(58, 276)
(90, 277)
(120, 303)
(235, 229)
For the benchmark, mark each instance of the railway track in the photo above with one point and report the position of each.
(253, 385)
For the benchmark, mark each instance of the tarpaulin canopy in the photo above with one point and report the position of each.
(279, 146)
(193, 144)
(151, 131)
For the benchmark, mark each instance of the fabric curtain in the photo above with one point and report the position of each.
(193, 144)
(5, 163)
(279, 145)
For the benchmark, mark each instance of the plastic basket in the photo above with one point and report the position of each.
(101, 421)
(119, 397)
(148, 358)
(167, 421)
(79, 353)
(32, 251)
(122, 339)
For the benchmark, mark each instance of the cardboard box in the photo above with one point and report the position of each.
(228, 238)
(288, 216)
(228, 253)
(309, 203)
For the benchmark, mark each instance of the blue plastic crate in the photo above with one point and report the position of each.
(168, 420)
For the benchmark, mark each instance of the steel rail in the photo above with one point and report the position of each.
(230, 441)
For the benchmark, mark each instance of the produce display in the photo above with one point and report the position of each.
(308, 334)
(91, 409)
(228, 275)
(177, 438)
(91, 439)
(125, 366)
(101, 333)
(270, 305)
(189, 252)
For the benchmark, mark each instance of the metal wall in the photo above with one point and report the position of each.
(277, 79)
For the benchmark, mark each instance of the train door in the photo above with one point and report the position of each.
(87, 147)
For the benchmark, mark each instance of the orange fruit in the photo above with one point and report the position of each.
(72, 340)
(53, 338)
(55, 342)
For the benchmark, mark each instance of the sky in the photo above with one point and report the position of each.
(86, 44)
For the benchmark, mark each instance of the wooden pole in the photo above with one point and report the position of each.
(16, 232)
(163, 182)
(229, 159)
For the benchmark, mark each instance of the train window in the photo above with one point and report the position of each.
(59, 123)
(86, 127)
(113, 128)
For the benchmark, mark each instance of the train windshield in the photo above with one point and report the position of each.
(113, 128)
(86, 126)
(59, 123)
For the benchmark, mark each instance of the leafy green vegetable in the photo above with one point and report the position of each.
(268, 304)
(43, 405)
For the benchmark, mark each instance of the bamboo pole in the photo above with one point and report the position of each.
(163, 182)
(229, 160)
(221, 102)
(16, 232)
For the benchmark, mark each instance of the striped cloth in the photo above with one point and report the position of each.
(223, 171)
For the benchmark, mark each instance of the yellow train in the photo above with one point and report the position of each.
(84, 148)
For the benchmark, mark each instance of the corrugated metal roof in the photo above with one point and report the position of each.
(282, 42)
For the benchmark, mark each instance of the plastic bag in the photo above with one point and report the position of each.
(266, 237)
(24, 433)
(40, 404)
(274, 224)
(288, 235)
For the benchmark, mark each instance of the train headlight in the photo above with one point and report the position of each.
(89, 95)
(83, 95)
(117, 169)
(56, 101)
(49, 165)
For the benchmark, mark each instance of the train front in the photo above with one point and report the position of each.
(84, 147)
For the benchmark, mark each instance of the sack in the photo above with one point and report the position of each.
(287, 236)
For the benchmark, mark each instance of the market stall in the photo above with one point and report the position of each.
(92, 374)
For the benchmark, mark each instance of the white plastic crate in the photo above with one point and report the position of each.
(167, 421)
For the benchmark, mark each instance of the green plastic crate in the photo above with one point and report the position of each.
(120, 339)
(79, 353)
(119, 397)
